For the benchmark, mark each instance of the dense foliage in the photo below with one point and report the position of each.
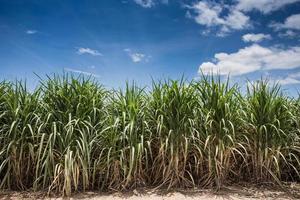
(72, 134)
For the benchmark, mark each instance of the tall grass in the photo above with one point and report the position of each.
(71, 134)
(220, 129)
(20, 128)
(172, 120)
(272, 132)
(125, 143)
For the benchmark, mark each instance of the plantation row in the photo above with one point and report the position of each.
(71, 134)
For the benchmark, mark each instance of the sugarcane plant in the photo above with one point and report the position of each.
(71, 134)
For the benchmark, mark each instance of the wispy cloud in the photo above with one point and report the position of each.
(137, 57)
(286, 81)
(31, 32)
(251, 59)
(82, 72)
(211, 14)
(290, 79)
(251, 37)
(82, 50)
(227, 17)
(145, 3)
(292, 22)
(264, 6)
(150, 3)
(288, 34)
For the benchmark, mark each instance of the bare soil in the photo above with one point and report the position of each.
(237, 192)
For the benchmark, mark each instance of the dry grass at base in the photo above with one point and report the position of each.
(234, 192)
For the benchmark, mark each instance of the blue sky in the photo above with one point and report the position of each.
(119, 40)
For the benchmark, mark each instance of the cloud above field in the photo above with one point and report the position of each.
(81, 72)
(137, 57)
(210, 14)
(251, 59)
(292, 22)
(264, 6)
(250, 37)
(290, 79)
(82, 50)
(145, 3)
(229, 17)
(31, 32)
(286, 81)
(150, 3)
(288, 34)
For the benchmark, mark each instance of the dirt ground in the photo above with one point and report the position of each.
(292, 191)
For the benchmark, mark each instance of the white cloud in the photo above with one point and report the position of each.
(145, 3)
(211, 14)
(292, 22)
(251, 59)
(229, 17)
(288, 34)
(286, 81)
(188, 15)
(295, 75)
(237, 20)
(137, 57)
(81, 72)
(264, 6)
(251, 37)
(150, 3)
(207, 13)
(290, 79)
(31, 32)
(92, 52)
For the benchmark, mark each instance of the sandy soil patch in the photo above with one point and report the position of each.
(231, 193)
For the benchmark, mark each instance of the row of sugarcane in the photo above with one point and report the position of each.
(71, 134)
